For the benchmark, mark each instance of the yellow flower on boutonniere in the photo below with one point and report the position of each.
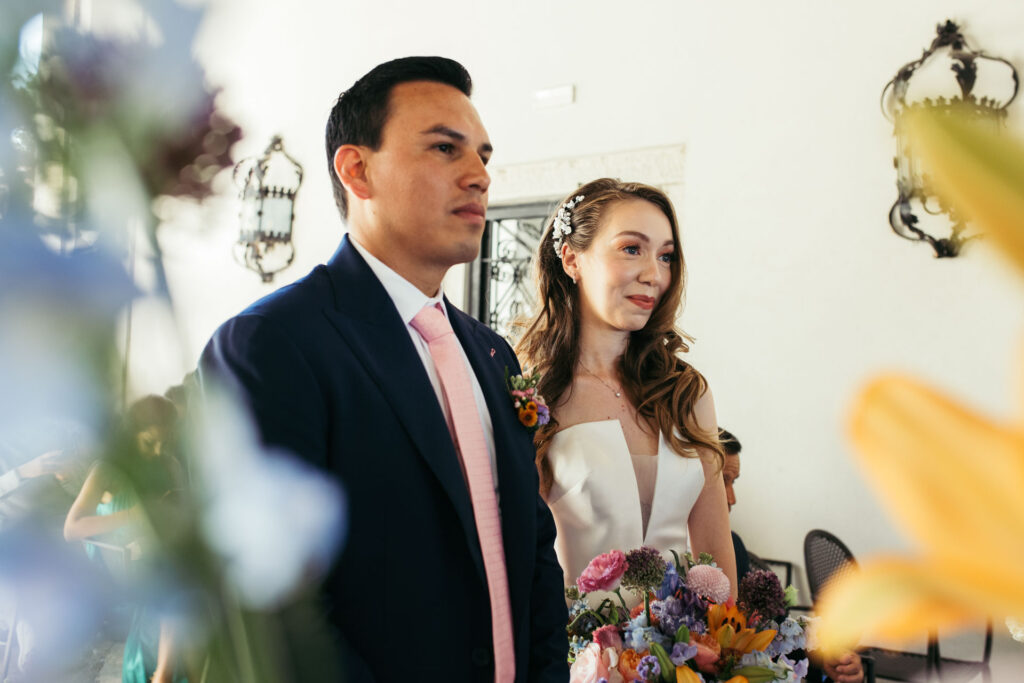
(949, 476)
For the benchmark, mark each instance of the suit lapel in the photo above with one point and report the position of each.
(367, 319)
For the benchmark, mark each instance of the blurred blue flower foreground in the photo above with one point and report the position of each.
(158, 522)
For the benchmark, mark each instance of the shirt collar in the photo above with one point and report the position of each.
(408, 299)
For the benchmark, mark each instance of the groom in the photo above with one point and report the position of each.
(448, 572)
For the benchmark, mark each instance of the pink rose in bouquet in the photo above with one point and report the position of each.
(608, 636)
(594, 664)
(603, 573)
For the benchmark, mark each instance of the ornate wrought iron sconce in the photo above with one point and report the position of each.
(948, 77)
(268, 188)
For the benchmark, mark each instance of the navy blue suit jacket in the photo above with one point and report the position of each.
(330, 373)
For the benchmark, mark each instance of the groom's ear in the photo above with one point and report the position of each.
(350, 167)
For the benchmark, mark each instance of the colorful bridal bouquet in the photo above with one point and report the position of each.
(687, 629)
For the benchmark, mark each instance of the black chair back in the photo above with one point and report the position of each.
(825, 557)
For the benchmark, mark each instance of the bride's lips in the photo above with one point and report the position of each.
(644, 302)
(473, 212)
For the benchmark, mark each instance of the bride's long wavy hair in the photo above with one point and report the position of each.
(664, 388)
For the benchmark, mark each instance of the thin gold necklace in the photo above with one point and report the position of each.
(617, 392)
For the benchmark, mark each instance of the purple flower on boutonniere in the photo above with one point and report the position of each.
(530, 407)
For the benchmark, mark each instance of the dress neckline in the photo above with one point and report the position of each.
(621, 432)
(636, 482)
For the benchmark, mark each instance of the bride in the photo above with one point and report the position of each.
(631, 454)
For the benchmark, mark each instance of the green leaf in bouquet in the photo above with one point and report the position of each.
(682, 634)
(688, 556)
(586, 622)
(608, 611)
(755, 674)
(679, 566)
(790, 595)
(668, 669)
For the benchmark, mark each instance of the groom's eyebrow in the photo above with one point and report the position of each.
(444, 130)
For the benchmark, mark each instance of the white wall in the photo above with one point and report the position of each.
(798, 290)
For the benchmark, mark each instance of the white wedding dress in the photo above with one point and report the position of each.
(596, 500)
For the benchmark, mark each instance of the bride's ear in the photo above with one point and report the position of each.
(570, 262)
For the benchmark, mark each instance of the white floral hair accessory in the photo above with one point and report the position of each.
(563, 223)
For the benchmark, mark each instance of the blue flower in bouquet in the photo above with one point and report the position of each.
(576, 646)
(576, 608)
(649, 667)
(698, 627)
(791, 636)
(681, 652)
(785, 669)
(694, 611)
(638, 635)
(671, 583)
(799, 668)
(669, 615)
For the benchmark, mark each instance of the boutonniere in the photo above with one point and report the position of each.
(530, 407)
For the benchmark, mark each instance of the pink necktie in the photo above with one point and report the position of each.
(469, 438)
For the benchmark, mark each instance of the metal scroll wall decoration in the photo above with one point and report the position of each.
(948, 77)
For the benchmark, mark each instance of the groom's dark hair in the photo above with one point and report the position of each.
(359, 115)
(730, 444)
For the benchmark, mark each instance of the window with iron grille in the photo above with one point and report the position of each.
(499, 283)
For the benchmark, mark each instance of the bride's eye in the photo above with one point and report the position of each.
(632, 249)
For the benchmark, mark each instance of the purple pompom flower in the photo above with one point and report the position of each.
(761, 593)
(646, 570)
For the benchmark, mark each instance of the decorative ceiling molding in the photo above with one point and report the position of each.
(548, 180)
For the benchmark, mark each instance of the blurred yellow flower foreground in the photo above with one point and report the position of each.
(954, 479)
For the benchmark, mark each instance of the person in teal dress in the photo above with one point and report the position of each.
(109, 509)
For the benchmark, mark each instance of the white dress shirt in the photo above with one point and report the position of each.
(409, 301)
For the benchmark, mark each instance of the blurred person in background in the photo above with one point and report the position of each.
(116, 504)
(36, 492)
(847, 668)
